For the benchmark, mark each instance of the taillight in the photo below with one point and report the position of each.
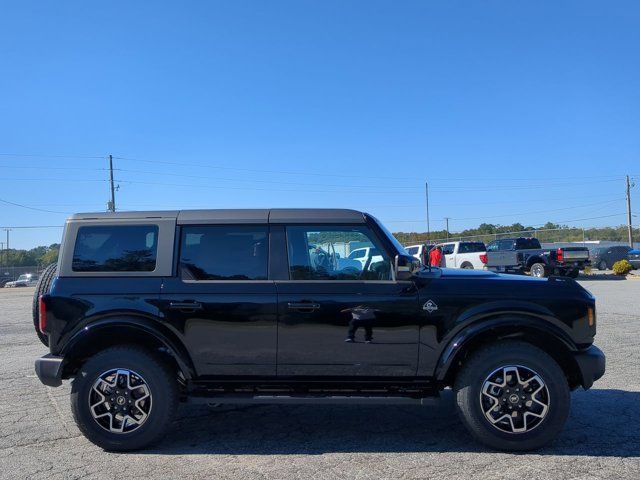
(560, 255)
(42, 315)
(483, 258)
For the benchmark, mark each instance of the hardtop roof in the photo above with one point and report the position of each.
(236, 216)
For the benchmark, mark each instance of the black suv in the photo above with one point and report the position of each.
(232, 306)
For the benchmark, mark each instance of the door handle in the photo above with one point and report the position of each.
(303, 306)
(185, 306)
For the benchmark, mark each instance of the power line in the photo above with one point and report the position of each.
(28, 207)
(34, 155)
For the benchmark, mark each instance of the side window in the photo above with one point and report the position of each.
(412, 250)
(492, 247)
(360, 253)
(320, 253)
(116, 248)
(232, 252)
(506, 245)
(448, 248)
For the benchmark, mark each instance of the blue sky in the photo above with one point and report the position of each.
(514, 111)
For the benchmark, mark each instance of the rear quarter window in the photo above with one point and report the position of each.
(125, 248)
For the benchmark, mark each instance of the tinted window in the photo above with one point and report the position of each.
(448, 248)
(319, 253)
(360, 253)
(527, 243)
(126, 248)
(471, 247)
(224, 253)
(505, 244)
(412, 250)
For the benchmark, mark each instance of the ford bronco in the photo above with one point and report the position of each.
(149, 309)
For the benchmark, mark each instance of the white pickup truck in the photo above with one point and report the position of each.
(469, 255)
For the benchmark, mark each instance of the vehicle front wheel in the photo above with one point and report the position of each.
(539, 270)
(602, 265)
(512, 396)
(124, 398)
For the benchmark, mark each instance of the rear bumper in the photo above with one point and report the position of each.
(49, 370)
(591, 363)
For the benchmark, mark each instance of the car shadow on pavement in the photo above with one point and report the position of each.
(602, 423)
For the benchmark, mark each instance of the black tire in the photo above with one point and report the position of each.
(467, 266)
(163, 389)
(539, 270)
(468, 388)
(42, 288)
(602, 265)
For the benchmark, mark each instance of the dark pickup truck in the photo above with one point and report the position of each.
(148, 309)
(526, 255)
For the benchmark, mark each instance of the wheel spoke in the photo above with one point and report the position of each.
(120, 400)
(514, 399)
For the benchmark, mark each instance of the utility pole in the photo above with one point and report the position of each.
(7, 246)
(111, 206)
(426, 189)
(446, 219)
(629, 185)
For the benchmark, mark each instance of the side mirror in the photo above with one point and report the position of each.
(405, 267)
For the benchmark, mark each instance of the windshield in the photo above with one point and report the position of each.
(390, 236)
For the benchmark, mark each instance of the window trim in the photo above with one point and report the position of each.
(164, 252)
(372, 231)
(178, 253)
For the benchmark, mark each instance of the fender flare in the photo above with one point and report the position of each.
(133, 324)
(512, 321)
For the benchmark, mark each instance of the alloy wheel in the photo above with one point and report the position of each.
(120, 400)
(514, 399)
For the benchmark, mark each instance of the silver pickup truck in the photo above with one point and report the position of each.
(526, 255)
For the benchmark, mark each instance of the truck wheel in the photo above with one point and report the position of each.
(42, 288)
(539, 270)
(124, 398)
(602, 265)
(467, 266)
(512, 396)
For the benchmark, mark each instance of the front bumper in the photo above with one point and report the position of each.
(49, 370)
(591, 364)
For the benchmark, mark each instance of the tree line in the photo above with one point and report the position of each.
(41, 255)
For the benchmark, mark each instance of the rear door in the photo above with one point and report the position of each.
(336, 319)
(221, 300)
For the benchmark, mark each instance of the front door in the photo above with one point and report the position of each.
(340, 316)
(221, 300)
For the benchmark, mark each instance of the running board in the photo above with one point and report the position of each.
(313, 400)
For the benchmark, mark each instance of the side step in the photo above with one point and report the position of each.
(313, 400)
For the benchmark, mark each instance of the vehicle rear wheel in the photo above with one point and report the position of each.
(512, 396)
(467, 266)
(42, 288)
(602, 265)
(539, 270)
(124, 398)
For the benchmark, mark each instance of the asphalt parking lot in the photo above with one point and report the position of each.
(38, 438)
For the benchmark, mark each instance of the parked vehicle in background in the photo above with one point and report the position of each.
(466, 255)
(362, 255)
(603, 258)
(421, 252)
(4, 280)
(634, 258)
(24, 280)
(526, 255)
(148, 309)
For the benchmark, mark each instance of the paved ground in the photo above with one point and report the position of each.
(38, 438)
